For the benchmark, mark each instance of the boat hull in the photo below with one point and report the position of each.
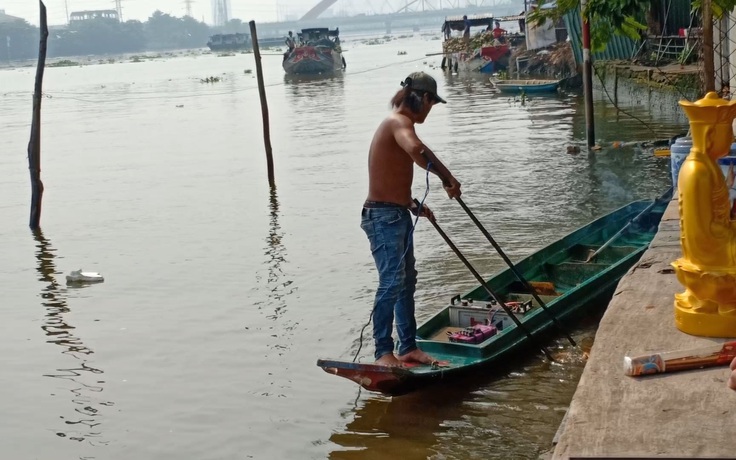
(576, 286)
(309, 60)
(488, 59)
(230, 42)
(530, 87)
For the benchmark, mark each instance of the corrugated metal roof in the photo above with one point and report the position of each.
(678, 16)
(618, 48)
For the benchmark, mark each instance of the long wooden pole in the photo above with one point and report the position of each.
(587, 78)
(709, 71)
(34, 145)
(264, 104)
(485, 285)
(506, 259)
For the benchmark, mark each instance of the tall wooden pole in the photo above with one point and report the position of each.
(587, 78)
(709, 71)
(34, 146)
(264, 104)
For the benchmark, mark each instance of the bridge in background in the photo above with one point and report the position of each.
(408, 17)
(414, 6)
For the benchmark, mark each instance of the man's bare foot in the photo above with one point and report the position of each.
(417, 356)
(389, 359)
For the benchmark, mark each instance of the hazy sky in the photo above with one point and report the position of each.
(260, 10)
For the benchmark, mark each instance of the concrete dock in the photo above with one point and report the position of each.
(688, 414)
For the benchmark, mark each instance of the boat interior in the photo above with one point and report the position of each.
(554, 274)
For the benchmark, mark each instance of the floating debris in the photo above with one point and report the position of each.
(78, 276)
(64, 63)
(210, 80)
(402, 53)
(248, 71)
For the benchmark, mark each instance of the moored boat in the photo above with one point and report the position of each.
(526, 86)
(568, 276)
(318, 52)
(230, 42)
(484, 52)
(486, 59)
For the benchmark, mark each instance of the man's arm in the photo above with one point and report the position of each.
(406, 138)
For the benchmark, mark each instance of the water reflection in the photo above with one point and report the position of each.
(278, 283)
(83, 378)
(419, 425)
(324, 79)
(505, 411)
(315, 94)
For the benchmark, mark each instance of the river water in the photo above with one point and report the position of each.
(220, 296)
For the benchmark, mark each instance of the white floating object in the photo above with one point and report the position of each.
(78, 276)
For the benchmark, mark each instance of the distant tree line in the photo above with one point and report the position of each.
(19, 39)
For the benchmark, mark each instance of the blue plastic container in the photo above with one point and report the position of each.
(728, 167)
(678, 152)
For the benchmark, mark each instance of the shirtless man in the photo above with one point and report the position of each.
(386, 216)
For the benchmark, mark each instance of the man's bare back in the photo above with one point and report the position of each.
(394, 151)
(390, 167)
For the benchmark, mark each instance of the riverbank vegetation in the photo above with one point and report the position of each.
(109, 36)
(623, 17)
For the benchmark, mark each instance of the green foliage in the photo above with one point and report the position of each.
(64, 63)
(18, 40)
(607, 18)
(105, 36)
(719, 7)
(686, 55)
(616, 17)
(164, 31)
(98, 36)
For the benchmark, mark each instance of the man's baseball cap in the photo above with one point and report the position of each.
(421, 81)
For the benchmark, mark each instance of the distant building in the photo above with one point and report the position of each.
(93, 14)
(8, 18)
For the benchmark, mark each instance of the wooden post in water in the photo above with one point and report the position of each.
(587, 78)
(34, 145)
(264, 104)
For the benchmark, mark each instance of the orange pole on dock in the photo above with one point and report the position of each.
(587, 78)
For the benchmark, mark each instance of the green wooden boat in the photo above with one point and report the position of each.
(565, 278)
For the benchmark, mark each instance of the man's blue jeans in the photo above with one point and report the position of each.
(389, 231)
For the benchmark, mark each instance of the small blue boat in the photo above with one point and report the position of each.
(526, 86)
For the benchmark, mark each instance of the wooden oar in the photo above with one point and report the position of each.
(435, 54)
(626, 227)
(483, 282)
(510, 264)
